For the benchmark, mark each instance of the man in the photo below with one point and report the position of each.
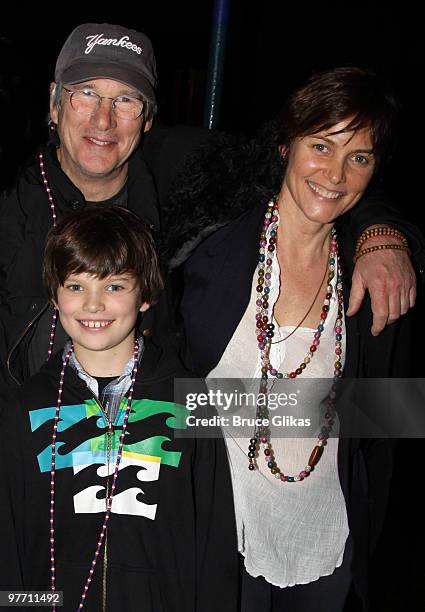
(102, 103)
(97, 123)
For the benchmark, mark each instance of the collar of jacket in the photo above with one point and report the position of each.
(142, 195)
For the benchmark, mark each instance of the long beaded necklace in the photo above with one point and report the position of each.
(114, 478)
(49, 192)
(264, 331)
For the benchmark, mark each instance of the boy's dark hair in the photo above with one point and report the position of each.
(327, 98)
(102, 240)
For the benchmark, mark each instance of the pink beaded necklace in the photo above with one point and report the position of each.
(54, 216)
(264, 331)
(114, 479)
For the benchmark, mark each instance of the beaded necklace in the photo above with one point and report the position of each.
(264, 331)
(114, 479)
(54, 216)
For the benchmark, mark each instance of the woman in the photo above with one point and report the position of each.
(265, 297)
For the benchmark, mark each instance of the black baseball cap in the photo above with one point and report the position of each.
(104, 50)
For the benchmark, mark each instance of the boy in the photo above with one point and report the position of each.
(101, 499)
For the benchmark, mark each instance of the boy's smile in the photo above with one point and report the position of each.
(95, 324)
(100, 317)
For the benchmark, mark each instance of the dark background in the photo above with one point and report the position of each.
(272, 46)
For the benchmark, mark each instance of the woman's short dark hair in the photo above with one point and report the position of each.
(327, 98)
(102, 241)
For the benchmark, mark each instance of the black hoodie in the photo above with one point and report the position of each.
(171, 535)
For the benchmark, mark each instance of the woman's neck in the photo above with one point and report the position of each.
(299, 238)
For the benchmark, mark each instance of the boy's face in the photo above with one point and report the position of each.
(100, 316)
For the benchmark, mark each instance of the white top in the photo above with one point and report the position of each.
(289, 533)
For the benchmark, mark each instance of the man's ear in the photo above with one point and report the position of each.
(53, 107)
(147, 126)
(144, 307)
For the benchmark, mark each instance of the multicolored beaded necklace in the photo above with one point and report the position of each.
(264, 331)
(114, 479)
(54, 216)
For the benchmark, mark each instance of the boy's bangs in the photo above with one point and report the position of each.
(98, 264)
(111, 259)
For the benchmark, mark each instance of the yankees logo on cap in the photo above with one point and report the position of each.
(104, 50)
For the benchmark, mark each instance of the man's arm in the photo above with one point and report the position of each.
(388, 275)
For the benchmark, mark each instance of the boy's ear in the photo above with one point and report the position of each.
(144, 307)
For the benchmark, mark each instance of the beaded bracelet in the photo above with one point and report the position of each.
(380, 247)
(377, 232)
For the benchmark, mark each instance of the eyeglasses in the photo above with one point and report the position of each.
(87, 102)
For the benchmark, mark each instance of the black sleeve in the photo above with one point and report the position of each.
(217, 561)
(379, 456)
(161, 321)
(217, 569)
(12, 227)
(389, 355)
(12, 501)
(166, 150)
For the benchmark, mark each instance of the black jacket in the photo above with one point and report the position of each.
(218, 280)
(171, 541)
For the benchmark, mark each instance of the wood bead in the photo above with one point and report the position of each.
(316, 453)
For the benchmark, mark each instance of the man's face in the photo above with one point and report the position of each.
(99, 144)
